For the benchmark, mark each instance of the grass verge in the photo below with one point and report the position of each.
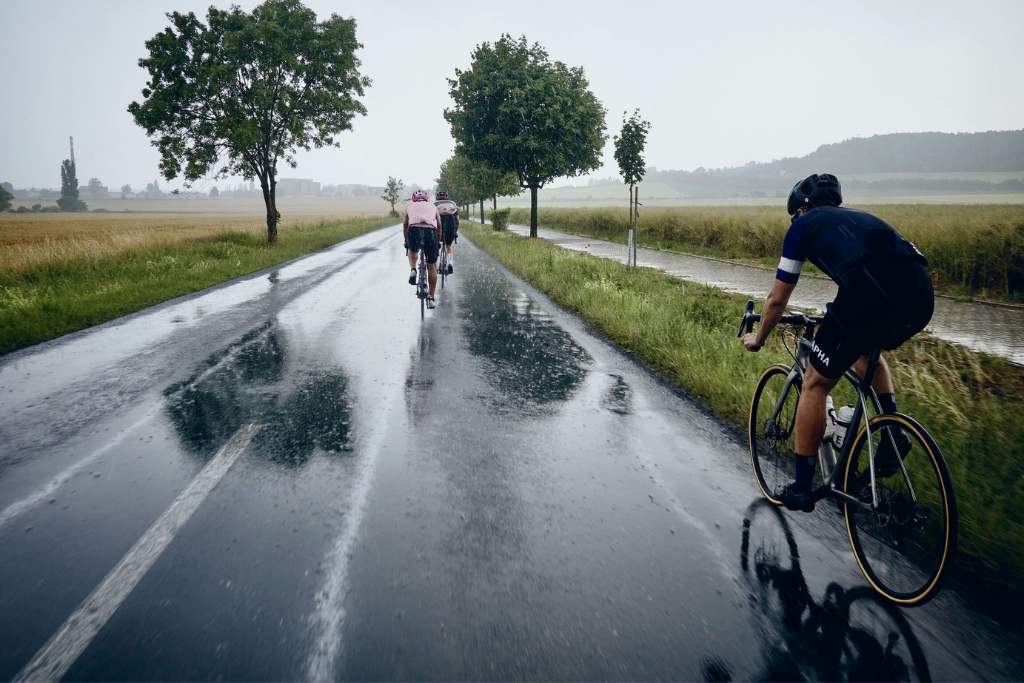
(975, 250)
(44, 300)
(970, 402)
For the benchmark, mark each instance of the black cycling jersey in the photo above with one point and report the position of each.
(841, 241)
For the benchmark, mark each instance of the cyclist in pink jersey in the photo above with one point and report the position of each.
(422, 230)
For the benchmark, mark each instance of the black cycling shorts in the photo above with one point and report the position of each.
(448, 229)
(424, 238)
(882, 306)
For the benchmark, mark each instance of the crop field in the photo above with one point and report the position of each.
(973, 250)
(64, 272)
(27, 240)
(328, 207)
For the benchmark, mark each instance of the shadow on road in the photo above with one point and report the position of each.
(852, 635)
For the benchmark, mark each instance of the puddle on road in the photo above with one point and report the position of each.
(249, 382)
(532, 361)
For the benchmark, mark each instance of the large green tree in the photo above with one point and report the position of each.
(5, 197)
(239, 94)
(520, 112)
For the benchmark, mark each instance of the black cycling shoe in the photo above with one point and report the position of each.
(451, 269)
(412, 277)
(886, 463)
(802, 502)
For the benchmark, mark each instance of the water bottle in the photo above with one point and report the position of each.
(830, 418)
(843, 420)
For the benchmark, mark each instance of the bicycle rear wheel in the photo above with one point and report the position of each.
(905, 546)
(771, 431)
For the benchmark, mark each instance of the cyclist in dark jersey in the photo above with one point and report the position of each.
(885, 297)
(449, 228)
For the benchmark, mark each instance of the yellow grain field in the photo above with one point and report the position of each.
(27, 240)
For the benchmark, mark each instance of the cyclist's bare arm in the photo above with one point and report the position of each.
(456, 224)
(405, 228)
(437, 226)
(774, 308)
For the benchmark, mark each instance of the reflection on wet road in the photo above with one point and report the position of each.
(994, 329)
(493, 493)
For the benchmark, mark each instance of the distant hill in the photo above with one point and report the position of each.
(897, 153)
(910, 152)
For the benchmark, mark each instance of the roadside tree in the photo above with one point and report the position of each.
(629, 149)
(239, 94)
(69, 200)
(5, 198)
(125, 191)
(392, 193)
(214, 192)
(520, 112)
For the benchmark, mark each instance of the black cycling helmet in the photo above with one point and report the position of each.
(813, 191)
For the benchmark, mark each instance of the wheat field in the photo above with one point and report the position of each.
(28, 240)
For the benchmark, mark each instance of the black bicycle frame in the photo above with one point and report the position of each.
(863, 388)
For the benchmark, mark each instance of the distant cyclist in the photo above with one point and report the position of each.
(422, 230)
(885, 297)
(449, 225)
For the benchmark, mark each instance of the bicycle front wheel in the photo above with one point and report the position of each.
(772, 431)
(905, 546)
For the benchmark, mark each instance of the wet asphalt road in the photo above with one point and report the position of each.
(494, 493)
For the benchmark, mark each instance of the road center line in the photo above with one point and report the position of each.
(65, 646)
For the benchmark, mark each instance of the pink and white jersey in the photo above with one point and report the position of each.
(422, 214)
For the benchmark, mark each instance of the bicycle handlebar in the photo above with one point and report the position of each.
(749, 318)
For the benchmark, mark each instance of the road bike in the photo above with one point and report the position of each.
(422, 287)
(900, 508)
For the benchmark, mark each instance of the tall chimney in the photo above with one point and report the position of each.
(72, 150)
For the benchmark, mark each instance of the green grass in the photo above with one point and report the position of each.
(49, 299)
(973, 250)
(970, 402)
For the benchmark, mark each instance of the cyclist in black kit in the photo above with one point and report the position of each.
(449, 228)
(885, 298)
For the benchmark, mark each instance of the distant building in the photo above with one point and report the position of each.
(297, 187)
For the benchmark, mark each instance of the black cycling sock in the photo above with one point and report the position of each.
(888, 403)
(804, 473)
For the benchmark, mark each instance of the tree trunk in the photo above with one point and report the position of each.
(269, 187)
(533, 210)
(481, 210)
(494, 197)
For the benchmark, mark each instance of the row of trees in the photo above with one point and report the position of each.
(527, 120)
(243, 92)
(468, 182)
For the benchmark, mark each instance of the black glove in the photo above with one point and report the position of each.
(406, 243)
(456, 238)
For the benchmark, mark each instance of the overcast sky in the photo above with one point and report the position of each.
(723, 83)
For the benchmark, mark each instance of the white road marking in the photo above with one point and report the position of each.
(64, 647)
(28, 502)
(330, 599)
